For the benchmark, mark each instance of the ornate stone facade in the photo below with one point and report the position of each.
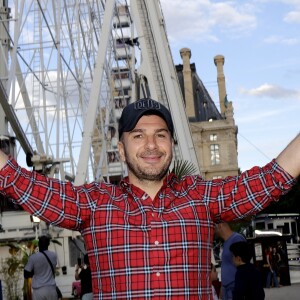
(214, 132)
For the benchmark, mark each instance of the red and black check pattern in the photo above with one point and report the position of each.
(141, 248)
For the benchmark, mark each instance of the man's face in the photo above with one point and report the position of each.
(147, 149)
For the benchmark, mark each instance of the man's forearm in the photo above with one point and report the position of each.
(289, 158)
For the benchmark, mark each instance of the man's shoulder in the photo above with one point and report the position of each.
(35, 256)
(50, 253)
(234, 238)
(237, 237)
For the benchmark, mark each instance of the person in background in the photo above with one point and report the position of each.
(277, 262)
(152, 234)
(283, 267)
(272, 268)
(83, 273)
(37, 267)
(248, 280)
(215, 282)
(228, 268)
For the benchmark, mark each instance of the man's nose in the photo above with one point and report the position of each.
(151, 142)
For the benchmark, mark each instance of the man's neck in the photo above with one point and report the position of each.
(149, 186)
(227, 235)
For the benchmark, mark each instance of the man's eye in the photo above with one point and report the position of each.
(137, 136)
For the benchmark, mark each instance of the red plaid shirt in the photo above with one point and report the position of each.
(141, 248)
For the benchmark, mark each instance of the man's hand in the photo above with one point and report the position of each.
(3, 159)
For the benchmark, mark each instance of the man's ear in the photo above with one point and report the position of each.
(239, 259)
(121, 150)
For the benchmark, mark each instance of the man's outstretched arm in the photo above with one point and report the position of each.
(289, 158)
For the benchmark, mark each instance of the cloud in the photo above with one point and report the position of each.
(271, 91)
(229, 17)
(276, 39)
(296, 3)
(292, 17)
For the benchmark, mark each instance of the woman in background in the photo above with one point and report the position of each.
(84, 274)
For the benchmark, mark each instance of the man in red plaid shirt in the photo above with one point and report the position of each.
(151, 236)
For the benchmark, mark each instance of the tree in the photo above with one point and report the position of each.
(12, 270)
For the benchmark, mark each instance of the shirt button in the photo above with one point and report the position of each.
(157, 274)
(156, 243)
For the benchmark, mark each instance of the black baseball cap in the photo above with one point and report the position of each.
(134, 111)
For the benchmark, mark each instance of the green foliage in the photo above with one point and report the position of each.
(182, 168)
(11, 272)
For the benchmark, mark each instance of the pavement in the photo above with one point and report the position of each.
(290, 292)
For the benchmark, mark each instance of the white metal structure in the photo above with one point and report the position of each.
(59, 56)
(67, 68)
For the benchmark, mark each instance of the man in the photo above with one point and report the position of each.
(228, 268)
(248, 280)
(151, 236)
(43, 281)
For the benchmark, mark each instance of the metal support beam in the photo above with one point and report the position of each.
(170, 83)
(95, 95)
(14, 122)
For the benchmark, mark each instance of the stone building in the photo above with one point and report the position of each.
(214, 131)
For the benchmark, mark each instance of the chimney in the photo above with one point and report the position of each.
(219, 62)
(186, 54)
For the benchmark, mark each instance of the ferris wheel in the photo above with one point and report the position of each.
(67, 70)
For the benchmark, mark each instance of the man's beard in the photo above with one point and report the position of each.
(147, 173)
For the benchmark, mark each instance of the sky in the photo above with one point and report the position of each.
(260, 41)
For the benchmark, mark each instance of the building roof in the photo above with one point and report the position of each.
(205, 108)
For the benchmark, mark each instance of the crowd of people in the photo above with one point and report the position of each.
(240, 279)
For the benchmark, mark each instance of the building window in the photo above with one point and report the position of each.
(213, 137)
(214, 154)
(260, 226)
(217, 177)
